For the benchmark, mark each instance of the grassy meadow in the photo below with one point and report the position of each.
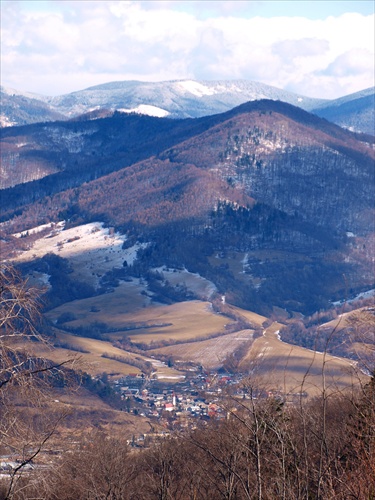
(292, 369)
(209, 353)
(126, 311)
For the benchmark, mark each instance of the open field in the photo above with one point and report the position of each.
(252, 317)
(77, 411)
(208, 353)
(293, 369)
(201, 287)
(107, 308)
(344, 320)
(92, 249)
(92, 361)
(185, 320)
(280, 365)
(86, 411)
(180, 321)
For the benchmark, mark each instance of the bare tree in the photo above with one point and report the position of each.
(96, 467)
(24, 379)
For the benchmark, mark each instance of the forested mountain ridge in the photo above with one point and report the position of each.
(354, 112)
(19, 108)
(264, 176)
(89, 149)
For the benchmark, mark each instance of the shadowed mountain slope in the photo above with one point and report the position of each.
(354, 112)
(264, 177)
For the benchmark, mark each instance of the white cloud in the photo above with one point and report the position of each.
(352, 63)
(61, 46)
(289, 50)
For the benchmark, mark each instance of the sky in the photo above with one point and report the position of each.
(318, 48)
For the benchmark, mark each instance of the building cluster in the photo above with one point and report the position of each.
(177, 404)
(183, 404)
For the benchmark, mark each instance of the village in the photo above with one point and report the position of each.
(184, 404)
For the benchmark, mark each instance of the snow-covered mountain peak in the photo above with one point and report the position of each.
(14, 92)
(195, 88)
(175, 99)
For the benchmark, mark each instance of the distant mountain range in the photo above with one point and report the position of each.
(272, 204)
(178, 99)
(354, 112)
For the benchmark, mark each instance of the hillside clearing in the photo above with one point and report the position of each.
(92, 249)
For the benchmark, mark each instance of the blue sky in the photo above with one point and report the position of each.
(312, 9)
(317, 48)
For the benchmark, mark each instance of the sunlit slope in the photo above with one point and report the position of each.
(210, 354)
(293, 369)
(96, 357)
(156, 323)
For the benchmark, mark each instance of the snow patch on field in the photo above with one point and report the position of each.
(200, 286)
(92, 249)
(38, 229)
(68, 243)
(364, 295)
